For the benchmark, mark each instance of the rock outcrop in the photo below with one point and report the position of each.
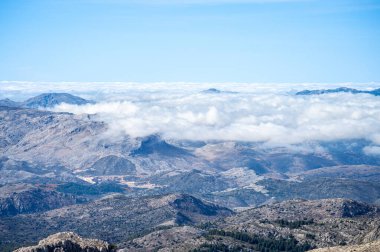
(68, 242)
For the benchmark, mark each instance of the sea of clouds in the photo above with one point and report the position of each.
(270, 113)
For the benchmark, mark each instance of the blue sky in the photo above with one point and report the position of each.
(190, 40)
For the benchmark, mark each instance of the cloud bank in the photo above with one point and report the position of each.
(268, 113)
(278, 118)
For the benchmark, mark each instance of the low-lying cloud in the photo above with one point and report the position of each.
(260, 117)
(269, 113)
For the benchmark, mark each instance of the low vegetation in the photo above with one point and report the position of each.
(262, 244)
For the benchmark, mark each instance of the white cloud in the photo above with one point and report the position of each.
(263, 114)
(372, 150)
(256, 112)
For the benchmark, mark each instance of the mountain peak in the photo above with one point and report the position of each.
(155, 144)
(9, 103)
(47, 100)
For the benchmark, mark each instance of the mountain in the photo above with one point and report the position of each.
(295, 225)
(342, 172)
(48, 100)
(63, 172)
(9, 103)
(112, 165)
(180, 222)
(216, 91)
(375, 92)
(68, 241)
(115, 217)
(24, 198)
(211, 91)
(72, 153)
(319, 223)
(322, 188)
(155, 145)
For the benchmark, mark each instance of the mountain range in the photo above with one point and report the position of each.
(375, 92)
(61, 172)
(179, 222)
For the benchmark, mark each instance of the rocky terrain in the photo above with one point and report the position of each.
(115, 217)
(300, 225)
(68, 241)
(185, 223)
(25, 198)
(367, 247)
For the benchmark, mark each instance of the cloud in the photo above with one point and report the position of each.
(276, 117)
(372, 150)
(261, 112)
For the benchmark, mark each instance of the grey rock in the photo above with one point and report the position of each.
(68, 242)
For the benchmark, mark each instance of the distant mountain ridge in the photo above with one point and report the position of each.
(375, 92)
(46, 100)
(9, 103)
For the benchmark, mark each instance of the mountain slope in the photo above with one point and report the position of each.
(297, 225)
(115, 217)
(366, 247)
(155, 145)
(23, 198)
(9, 103)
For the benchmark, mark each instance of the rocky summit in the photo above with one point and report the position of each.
(68, 242)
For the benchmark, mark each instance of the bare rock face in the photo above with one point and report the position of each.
(68, 242)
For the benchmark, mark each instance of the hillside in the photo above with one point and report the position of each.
(366, 247)
(115, 217)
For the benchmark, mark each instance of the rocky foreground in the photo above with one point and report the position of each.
(180, 222)
(68, 241)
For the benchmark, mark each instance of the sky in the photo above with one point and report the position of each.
(190, 40)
